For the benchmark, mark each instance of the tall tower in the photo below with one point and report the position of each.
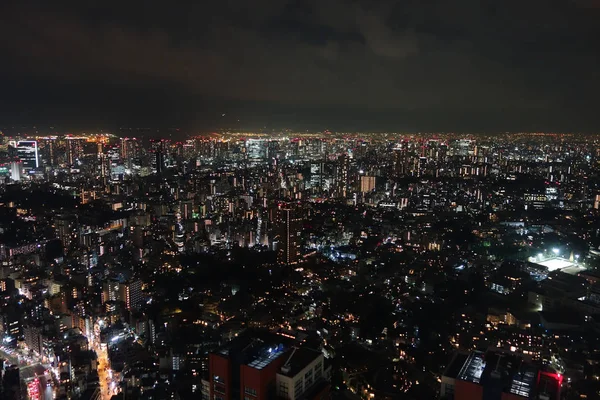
(290, 229)
(65, 226)
(343, 167)
(74, 147)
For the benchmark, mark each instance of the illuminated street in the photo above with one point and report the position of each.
(107, 383)
(31, 369)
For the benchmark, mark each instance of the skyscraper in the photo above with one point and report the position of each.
(367, 184)
(129, 293)
(290, 229)
(74, 147)
(33, 338)
(343, 167)
(28, 153)
(64, 226)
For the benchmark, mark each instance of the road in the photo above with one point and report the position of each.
(29, 369)
(108, 384)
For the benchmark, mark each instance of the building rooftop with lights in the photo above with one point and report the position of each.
(495, 374)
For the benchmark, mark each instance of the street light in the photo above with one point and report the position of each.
(555, 251)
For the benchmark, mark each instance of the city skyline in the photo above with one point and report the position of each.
(300, 200)
(312, 266)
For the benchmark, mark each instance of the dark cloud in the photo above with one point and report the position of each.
(380, 58)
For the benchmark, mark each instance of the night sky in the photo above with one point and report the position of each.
(417, 65)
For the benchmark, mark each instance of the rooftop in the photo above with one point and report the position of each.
(299, 359)
(497, 372)
(256, 349)
(556, 263)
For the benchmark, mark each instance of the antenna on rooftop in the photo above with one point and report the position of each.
(286, 366)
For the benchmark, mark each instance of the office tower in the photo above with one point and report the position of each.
(33, 338)
(129, 292)
(110, 291)
(27, 151)
(256, 149)
(367, 184)
(132, 294)
(401, 159)
(15, 170)
(74, 147)
(290, 229)
(130, 151)
(272, 148)
(317, 175)
(47, 150)
(422, 169)
(159, 161)
(104, 165)
(341, 179)
(65, 227)
(187, 209)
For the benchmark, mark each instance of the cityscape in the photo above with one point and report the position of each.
(295, 265)
(300, 200)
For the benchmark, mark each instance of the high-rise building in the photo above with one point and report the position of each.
(256, 149)
(15, 170)
(130, 150)
(290, 229)
(342, 174)
(187, 209)
(367, 184)
(317, 174)
(400, 160)
(47, 150)
(65, 227)
(28, 154)
(74, 147)
(129, 293)
(132, 294)
(159, 161)
(33, 338)
(111, 291)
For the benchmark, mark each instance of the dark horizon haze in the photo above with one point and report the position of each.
(409, 66)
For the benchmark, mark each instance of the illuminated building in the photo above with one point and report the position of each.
(33, 338)
(400, 161)
(15, 171)
(129, 293)
(130, 150)
(290, 229)
(367, 184)
(256, 149)
(64, 225)
(28, 154)
(341, 179)
(47, 150)
(74, 147)
(493, 374)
